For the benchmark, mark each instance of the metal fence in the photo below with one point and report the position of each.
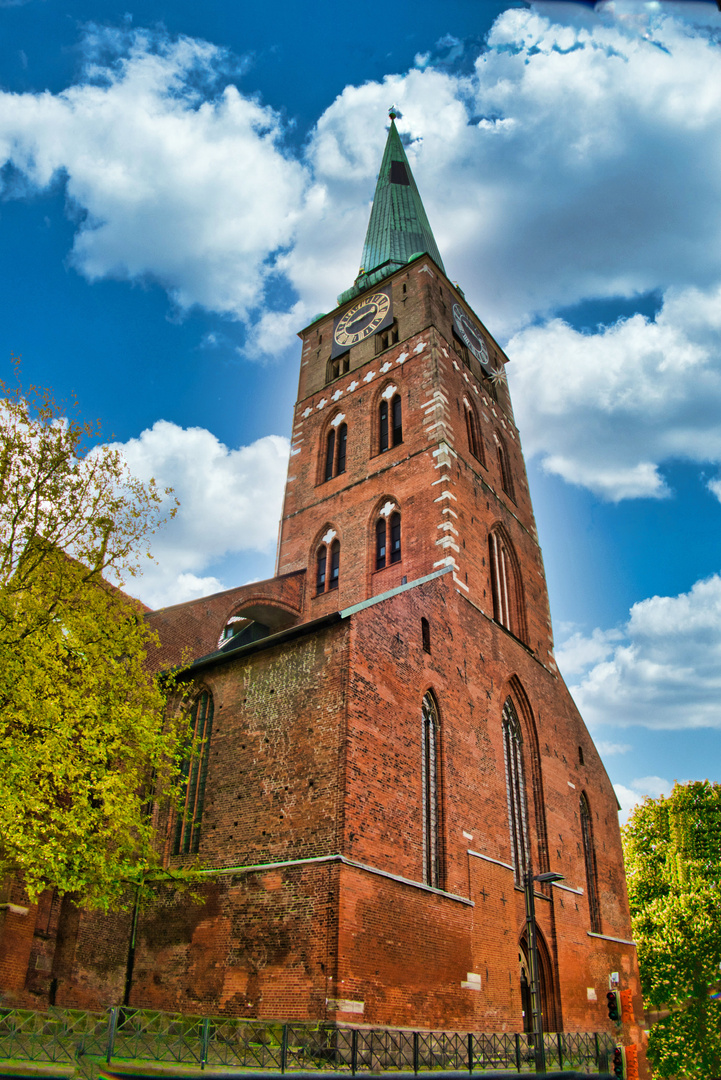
(89, 1041)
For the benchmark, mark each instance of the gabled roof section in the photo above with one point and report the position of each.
(398, 228)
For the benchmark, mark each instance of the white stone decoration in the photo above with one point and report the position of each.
(386, 367)
(401, 359)
(330, 535)
(322, 403)
(306, 413)
(338, 394)
(420, 346)
(353, 386)
(389, 392)
(337, 419)
(369, 376)
(387, 510)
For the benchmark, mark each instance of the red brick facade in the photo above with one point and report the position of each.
(360, 843)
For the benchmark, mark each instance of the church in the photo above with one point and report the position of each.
(388, 750)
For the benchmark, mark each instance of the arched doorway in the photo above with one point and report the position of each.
(545, 978)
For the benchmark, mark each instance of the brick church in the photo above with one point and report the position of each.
(388, 745)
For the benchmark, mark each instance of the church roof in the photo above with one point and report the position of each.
(398, 228)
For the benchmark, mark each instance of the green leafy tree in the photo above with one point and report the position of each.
(84, 737)
(673, 861)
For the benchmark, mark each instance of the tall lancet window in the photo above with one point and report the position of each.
(589, 856)
(430, 775)
(516, 792)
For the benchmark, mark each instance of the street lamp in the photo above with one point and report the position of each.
(536, 1012)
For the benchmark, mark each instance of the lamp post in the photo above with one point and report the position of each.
(536, 1011)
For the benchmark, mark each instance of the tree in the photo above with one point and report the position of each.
(83, 726)
(673, 860)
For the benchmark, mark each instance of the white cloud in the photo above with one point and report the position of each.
(578, 652)
(645, 787)
(611, 749)
(605, 410)
(662, 671)
(230, 501)
(172, 179)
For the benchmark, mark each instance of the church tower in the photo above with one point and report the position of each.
(387, 746)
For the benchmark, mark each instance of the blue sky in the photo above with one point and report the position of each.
(184, 186)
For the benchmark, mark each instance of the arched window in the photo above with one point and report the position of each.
(330, 454)
(395, 524)
(388, 536)
(335, 449)
(321, 562)
(380, 543)
(504, 467)
(337, 367)
(390, 423)
(342, 444)
(516, 792)
(474, 436)
(589, 856)
(426, 635)
(186, 838)
(327, 565)
(508, 609)
(334, 565)
(430, 777)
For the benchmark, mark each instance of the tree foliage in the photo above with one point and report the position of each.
(673, 860)
(83, 731)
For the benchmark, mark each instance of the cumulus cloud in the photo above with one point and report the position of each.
(605, 410)
(171, 178)
(662, 670)
(230, 502)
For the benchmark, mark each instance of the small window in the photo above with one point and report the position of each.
(426, 635)
(330, 454)
(397, 420)
(430, 783)
(334, 564)
(342, 444)
(580, 756)
(395, 523)
(383, 443)
(589, 855)
(380, 543)
(320, 569)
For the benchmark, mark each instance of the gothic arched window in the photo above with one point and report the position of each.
(504, 467)
(186, 839)
(327, 565)
(335, 450)
(472, 430)
(390, 423)
(334, 565)
(516, 792)
(430, 779)
(508, 609)
(589, 857)
(387, 537)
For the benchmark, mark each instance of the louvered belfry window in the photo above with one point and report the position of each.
(186, 839)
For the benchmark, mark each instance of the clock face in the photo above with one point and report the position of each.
(471, 336)
(362, 320)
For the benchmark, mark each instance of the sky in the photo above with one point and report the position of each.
(184, 186)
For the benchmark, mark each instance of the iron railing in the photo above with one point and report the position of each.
(90, 1041)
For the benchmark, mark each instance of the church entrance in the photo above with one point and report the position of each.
(545, 978)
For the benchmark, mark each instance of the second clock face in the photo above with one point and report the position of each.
(471, 336)
(362, 320)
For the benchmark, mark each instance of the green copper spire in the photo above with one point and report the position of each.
(398, 226)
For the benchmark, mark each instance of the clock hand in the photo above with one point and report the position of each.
(350, 329)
